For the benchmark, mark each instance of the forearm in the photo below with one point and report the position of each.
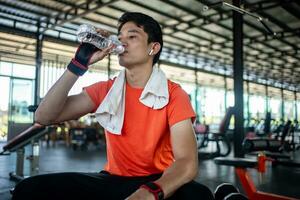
(180, 172)
(54, 101)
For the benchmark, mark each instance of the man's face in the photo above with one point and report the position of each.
(135, 41)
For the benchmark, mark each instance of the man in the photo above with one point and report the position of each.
(151, 147)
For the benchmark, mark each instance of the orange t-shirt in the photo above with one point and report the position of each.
(144, 146)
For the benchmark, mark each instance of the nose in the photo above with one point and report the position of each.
(124, 44)
(123, 41)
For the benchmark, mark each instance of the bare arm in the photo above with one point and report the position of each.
(57, 106)
(185, 167)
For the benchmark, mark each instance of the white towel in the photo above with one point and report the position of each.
(110, 113)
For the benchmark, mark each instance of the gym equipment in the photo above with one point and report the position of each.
(220, 138)
(271, 148)
(236, 196)
(287, 137)
(223, 190)
(81, 137)
(241, 165)
(17, 144)
(263, 126)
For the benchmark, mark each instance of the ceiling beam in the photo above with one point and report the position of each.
(291, 9)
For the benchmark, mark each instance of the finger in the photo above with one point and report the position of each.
(99, 55)
(103, 32)
(109, 49)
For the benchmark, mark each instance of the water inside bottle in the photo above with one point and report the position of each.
(88, 34)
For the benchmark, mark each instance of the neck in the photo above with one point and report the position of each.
(138, 77)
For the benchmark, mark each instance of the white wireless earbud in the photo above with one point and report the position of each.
(150, 53)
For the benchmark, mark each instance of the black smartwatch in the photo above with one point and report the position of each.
(155, 189)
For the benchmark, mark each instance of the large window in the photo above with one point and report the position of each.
(230, 98)
(289, 110)
(275, 108)
(51, 71)
(20, 100)
(190, 90)
(17, 70)
(4, 84)
(16, 83)
(257, 106)
(213, 105)
(210, 98)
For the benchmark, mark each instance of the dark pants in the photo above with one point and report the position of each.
(100, 186)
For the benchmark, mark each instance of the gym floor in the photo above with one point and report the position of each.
(59, 158)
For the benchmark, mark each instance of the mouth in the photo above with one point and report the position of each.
(122, 54)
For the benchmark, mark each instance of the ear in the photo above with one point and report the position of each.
(155, 48)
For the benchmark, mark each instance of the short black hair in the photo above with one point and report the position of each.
(149, 25)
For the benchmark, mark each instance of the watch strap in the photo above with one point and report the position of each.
(155, 189)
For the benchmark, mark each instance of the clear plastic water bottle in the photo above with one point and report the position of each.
(88, 34)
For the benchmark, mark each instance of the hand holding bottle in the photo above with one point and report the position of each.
(95, 45)
(101, 53)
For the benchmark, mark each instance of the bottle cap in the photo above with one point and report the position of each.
(119, 49)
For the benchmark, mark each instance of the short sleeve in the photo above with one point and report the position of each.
(98, 91)
(179, 107)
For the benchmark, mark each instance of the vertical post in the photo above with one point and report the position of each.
(238, 69)
(296, 106)
(248, 104)
(38, 63)
(267, 98)
(34, 160)
(282, 104)
(20, 162)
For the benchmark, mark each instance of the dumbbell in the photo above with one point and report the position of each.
(235, 196)
(224, 190)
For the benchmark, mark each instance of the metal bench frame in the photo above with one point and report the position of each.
(17, 144)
